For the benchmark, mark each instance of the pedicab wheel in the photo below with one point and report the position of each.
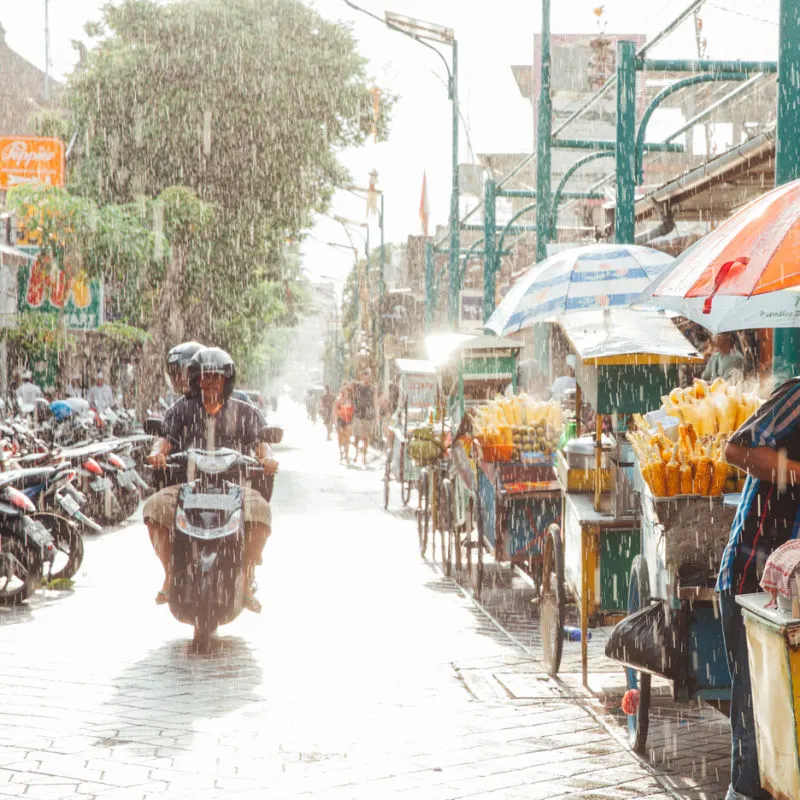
(552, 604)
(638, 598)
(447, 527)
(423, 514)
(386, 479)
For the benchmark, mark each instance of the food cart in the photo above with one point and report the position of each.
(417, 384)
(773, 645)
(471, 371)
(625, 361)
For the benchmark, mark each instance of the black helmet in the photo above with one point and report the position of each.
(181, 354)
(212, 361)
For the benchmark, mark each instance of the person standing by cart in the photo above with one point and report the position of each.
(767, 446)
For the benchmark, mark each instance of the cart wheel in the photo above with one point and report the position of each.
(552, 604)
(423, 513)
(387, 476)
(447, 527)
(479, 545)
(405, 492)
(638, 598)
(405, 486)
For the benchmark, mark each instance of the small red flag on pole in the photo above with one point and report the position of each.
(424, 205)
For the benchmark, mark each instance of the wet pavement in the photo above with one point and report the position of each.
(368, 675)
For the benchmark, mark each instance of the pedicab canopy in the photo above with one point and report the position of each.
(473, 369)
(417, 384)
(626, 358)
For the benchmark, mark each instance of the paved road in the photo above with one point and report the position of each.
(368, 675)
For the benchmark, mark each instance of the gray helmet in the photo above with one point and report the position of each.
(181, 354)
(212, 361)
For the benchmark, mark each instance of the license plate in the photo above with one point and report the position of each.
(68, 504)
(100, 484)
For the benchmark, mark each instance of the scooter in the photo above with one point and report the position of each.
(26, 547)
(208, 568)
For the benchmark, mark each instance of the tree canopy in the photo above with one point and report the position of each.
(246, 104)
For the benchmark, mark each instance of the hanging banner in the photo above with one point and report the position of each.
(43, 286)
(31, 159)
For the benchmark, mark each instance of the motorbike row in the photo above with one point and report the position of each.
(58, 482)
(61, 479)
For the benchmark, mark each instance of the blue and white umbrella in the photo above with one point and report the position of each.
(592, 277)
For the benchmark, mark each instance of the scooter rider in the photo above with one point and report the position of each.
(209, 418)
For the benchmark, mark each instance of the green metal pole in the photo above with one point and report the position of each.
(544, 131)
(455, 245)
(430, 287)
(786, 341)
(624, 219)
(490, 257)
(381, 297)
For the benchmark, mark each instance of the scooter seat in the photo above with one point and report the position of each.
(24, 478)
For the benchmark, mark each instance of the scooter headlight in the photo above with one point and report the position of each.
(232, 525)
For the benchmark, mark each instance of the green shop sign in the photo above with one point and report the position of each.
(44, 287)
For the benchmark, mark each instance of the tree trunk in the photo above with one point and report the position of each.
(165, 331)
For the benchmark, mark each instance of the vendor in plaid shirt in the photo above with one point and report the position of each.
(767, 446)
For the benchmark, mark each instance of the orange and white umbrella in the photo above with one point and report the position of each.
(744, 274)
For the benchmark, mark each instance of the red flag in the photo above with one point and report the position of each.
(424, 205)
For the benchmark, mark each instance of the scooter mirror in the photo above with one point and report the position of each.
(271, 435)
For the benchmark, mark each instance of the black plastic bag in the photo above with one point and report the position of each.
(645, 640)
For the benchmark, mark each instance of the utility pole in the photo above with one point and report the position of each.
(47, 50)
(544, 132)
(786, 341)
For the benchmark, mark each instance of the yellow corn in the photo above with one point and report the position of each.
(687, 480)
(672, 477)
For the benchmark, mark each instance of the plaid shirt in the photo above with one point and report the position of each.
(765, 518)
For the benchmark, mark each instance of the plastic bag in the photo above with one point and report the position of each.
(645, 641)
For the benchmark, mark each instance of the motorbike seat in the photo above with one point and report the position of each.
(25, 478)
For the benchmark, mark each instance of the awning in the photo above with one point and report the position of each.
(627, 336)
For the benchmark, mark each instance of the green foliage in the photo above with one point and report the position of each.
(247, 103)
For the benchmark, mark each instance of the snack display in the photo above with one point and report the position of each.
(518, 428)
(695, 463)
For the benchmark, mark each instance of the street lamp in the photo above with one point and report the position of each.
(424, 33)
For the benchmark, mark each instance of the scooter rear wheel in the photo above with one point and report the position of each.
(68, 544)
(20, 571)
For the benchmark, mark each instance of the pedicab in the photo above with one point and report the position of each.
(688, 499)
(625, 361)
(416, 382)
(500, 500)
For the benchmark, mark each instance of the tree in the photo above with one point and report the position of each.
(245, 102)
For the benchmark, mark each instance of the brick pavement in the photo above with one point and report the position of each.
(368, 675)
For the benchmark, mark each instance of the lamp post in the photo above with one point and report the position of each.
(425, 33)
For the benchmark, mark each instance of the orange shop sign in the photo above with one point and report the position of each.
(31, 159)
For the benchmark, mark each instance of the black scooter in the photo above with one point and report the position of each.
(208, 570)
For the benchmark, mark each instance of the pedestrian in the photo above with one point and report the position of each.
(725, 361)
(343, 411)
(100, 396)
(767, 447)
(363, 412)
(28, 392)
(74, 388)
(565, 383)
(326, 403)
(387, 407)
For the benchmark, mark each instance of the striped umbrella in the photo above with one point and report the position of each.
(745, 273)
(591, 277)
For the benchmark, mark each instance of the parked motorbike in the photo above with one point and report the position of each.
(26, 546)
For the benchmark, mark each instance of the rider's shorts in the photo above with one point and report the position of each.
(160, 508)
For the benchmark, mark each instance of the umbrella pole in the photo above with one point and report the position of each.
(598, 460)
(578, 401)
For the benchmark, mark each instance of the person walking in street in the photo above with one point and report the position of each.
(100, 396)
(28, 392)
(326, 404)
(343, 411)
(363, 412)
(767, 447)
